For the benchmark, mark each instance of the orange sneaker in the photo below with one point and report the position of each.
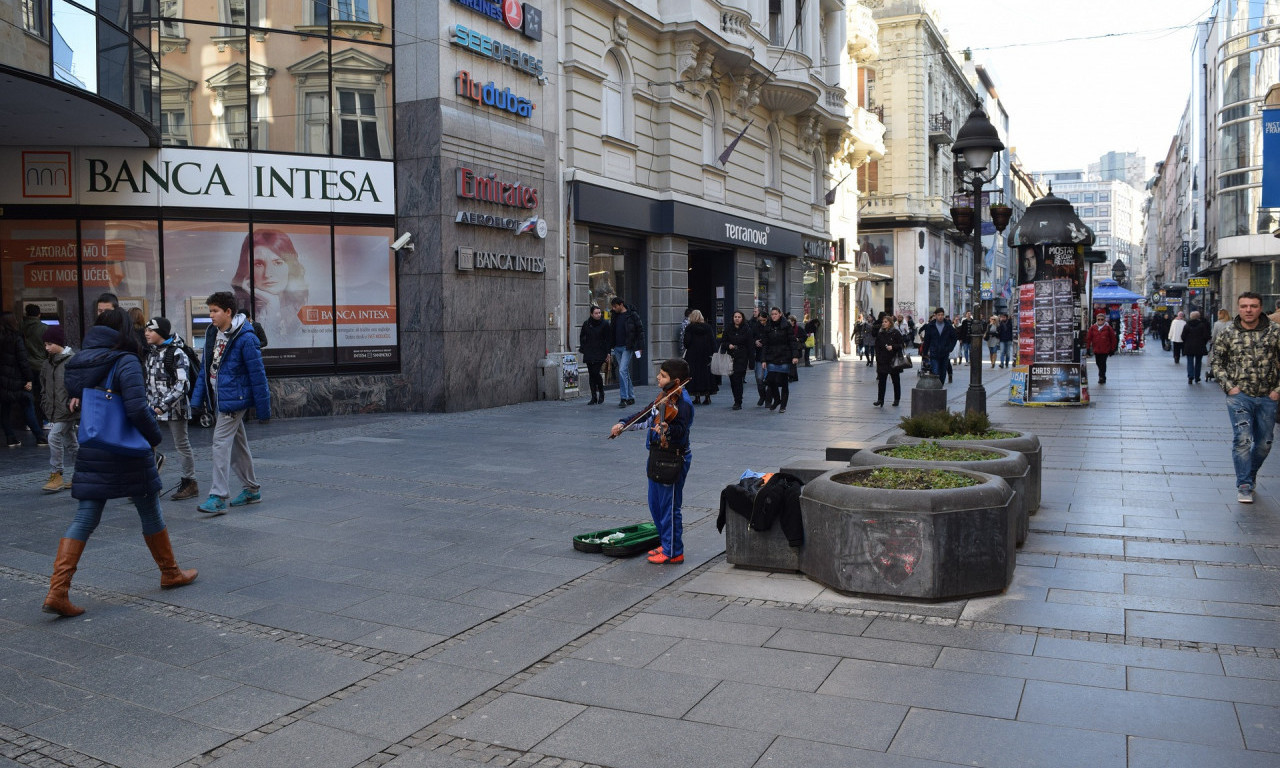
(654, 551)
(661, 559)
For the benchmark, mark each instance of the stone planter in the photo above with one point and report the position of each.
(766, 550)
(1025, 443)
(929, 544)
(1011, 466)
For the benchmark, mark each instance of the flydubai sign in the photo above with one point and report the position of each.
(200, 179)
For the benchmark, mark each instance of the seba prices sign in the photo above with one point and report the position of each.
(196, 178)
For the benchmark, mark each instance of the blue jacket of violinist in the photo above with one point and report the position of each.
(677, 429)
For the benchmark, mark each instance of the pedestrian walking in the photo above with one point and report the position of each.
(963, 333)
(936, 342)
(738, 341)
(699, 342)
(1195, 345)
(170, 377)
(16, 382)
(595, 340)
(759, 326)
(811, 327)
(781, 353)
(628, 340)
(1221, 324)
(1246, 362)
(1102, 342)
(992, 337)
(1005, 331)
(667, 422)
(888, 345)
(110, 359)
(33, 337)
(866, 338)
(1176, 328)
(232, 379)
(63, 442)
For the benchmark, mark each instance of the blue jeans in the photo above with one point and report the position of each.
(623, 358)
(1193, 367)
(665, 503)
(89, 514)
(1252, 421)
(1006, 347)
(938, 364)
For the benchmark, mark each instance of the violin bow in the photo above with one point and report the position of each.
(658, 402)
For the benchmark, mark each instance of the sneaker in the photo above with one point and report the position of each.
(1245, 496)
(159, 460)
(661, 559)
(246, 497)
(55, 483)
(14, 442)
(42, 441)
(187, 489)
(214, 505)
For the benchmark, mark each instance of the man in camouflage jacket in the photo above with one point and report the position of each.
(1246, 364)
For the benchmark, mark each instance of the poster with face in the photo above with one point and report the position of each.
(878, 247)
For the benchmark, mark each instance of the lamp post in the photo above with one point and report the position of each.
(978, 141)
(1118, 272)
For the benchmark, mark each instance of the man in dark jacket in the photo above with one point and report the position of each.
(33, 336)
(962, 338)
(937, 341)
(1195, 345)
(231, 379)
(628, 340)
(1005, 332)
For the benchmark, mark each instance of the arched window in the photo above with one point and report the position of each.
(712, 130)
(615, 97)
(773, 159)
(819, 178)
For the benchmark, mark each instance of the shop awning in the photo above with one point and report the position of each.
(1110, 292)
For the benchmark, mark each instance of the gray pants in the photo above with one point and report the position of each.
(231, 452)
(182, 444)
(63, 444)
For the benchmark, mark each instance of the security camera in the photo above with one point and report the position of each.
(402, 242)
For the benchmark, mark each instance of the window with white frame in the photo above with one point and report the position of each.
(357, 124)
(616, 113)
(344, 103)
(819, 178)
(773, 158)
(711, 130)
(174, 128)
(341, 10)
(240, 124)
(315, 138)
(170, 12)
(236, 107)
(242, 12)
(33, 16)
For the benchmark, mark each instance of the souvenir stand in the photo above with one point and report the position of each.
(1050, 242)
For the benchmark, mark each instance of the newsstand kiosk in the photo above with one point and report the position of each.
(1050, 242)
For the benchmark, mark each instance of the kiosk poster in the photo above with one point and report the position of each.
(1052, 383)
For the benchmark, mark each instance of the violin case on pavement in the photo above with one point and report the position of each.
(619, 542)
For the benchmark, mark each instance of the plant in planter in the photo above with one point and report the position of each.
(975, 429)
(1011, 466)
(908, 531)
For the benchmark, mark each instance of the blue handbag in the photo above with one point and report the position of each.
(105, 425)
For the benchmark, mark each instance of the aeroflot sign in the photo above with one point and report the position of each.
(196, 179)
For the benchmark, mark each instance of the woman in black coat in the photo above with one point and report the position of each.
(889, 344)
(1195, 345)
(739, 341)
(16, 381)
(781, 351)
(595, 341)
(699, 342)
(102, 474)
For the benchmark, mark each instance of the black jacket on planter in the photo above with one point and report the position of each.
(744, 343)
(595, 341)
(780, 343)
(699, 342)
(1195, 337)
(101, 474)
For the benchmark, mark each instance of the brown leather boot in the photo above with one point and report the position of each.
(162, 552)
(187, 489)
(64, 567)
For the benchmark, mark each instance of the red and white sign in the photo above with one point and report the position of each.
(513, 14)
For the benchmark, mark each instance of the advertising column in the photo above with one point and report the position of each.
(1049, 371)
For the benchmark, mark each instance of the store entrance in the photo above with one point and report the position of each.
(711, 284)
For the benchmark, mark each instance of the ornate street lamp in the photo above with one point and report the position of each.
(977, 142)
(1118, 272)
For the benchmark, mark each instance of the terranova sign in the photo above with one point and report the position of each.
(196, 178)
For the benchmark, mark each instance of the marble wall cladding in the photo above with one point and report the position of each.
(340, 395)
(487, 370)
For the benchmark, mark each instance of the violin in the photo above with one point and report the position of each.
(665, 404)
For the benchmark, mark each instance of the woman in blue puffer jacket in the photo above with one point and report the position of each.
(101, 474)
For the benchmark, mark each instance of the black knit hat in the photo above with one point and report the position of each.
(55, 335)
(161, 326)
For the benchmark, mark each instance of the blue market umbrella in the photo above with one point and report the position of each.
(1110, 292)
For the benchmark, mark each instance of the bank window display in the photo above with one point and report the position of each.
(39, 264)
(365, 305)
(121, 257)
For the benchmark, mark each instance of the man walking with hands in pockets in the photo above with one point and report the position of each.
(1246, 363)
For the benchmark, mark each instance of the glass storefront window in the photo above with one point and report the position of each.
(200, 258)
(770, 283)
(75, 46)
(121, 257)
(292, 114)
(365, 274)
(817, 286)
(610, 261)
(39, 265)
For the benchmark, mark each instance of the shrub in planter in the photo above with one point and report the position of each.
(975, 429)
(908, 532)
(1009, 465)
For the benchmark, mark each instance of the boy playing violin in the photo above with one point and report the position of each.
(669, 418)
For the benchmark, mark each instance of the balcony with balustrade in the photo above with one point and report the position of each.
(862, 33)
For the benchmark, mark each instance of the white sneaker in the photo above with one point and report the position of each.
(1245, 496)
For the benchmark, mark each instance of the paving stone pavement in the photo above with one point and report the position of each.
(406, 595)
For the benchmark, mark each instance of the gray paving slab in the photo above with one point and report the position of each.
(516, 721)
(1204, 629)
(850, 647)
(126, 735)
(426, 757)
(925, 687)
(798, 753)
(241, 709)
(628, 649)
(648, 691)
(1129, 655)
(1033, 667)
(765, 666)
(439, 617)
(1082, 618)
(983, 640)
(1218, 687)
(300, 672)
(302, 743)
(1261, 727)
(591, 603)
(1001, 743)
(511, 645)
(146, 683)
(643, 741)
(1206, 552)
(1154, 753)
(801, 715)
(796, 620)
(30, 698)
(1176, 718)
(1252, 667)
(698, 629)
(396, 707)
